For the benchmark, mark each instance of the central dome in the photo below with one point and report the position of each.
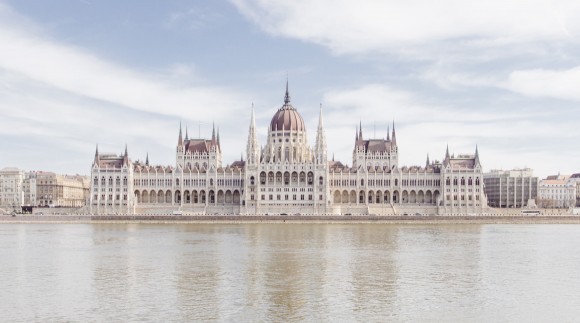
(287, 118)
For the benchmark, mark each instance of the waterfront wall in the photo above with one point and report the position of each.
(563, 219)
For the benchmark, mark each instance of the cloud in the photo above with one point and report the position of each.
(509, 133)
(559, 84)
(357, 27)
(62, 99)
(76, 70)
(192, 19)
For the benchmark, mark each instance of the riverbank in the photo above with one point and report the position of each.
(234, 219)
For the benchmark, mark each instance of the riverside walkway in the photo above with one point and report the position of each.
(480, 219)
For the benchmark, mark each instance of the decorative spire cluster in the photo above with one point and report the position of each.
(252, 150)
(321, 140)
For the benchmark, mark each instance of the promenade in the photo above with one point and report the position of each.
(225, 219)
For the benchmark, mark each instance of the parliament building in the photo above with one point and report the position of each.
(286, 175)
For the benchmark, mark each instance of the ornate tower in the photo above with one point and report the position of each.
(320, 146)
(252, 148)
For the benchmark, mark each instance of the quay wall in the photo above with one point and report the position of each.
(563, 219)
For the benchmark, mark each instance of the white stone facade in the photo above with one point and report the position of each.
(557, 191)
(287, 176)
(11, 183)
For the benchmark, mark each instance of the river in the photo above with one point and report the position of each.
(289, 272)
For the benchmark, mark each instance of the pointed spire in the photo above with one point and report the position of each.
(186, 134)
(356, 134)
(447, 152)
(476, 156)
(287, 96)
(321, 141)
(218, 138)
(427, 163)
(388, 133)
(96, 161)
(332, 156)
(360, 137)
(180, 140)
(213, 133)
(252, 152)
(147, 160)
(126, 154)
(394, 136)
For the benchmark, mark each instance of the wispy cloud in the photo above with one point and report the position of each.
(509, 135)
(53, 89)
(368, 26)
(559, 84)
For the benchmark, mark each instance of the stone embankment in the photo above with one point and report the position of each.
(557, 219)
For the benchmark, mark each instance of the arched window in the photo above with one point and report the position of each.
(118, 181)
(177, 182)
(448, 181)
(263, 178)
(320, 180)
(125, 181)
(310, 178)
(110, 180)
(455, 181)
(469, 181)
(252, 180)
(96, 181)
(462, 180)
(477, 181)
(362, 182)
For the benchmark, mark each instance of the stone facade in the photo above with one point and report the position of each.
(55, 190)
(576, 179)
(11, 181)
(287, 176)
(515, 188)
(557, 191)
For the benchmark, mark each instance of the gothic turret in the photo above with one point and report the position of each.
(477, 163)
(96, 161)
(252, 150)
(180, 139)
(126, 157)
(394, 136)
(321, 141)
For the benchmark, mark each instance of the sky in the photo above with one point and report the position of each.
(502, 75)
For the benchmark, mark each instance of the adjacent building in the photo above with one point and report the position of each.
(42, 189)
(575, 178)
(557, 191)
(11, 180)
(286, 175)
(516, 188)
(55, 190)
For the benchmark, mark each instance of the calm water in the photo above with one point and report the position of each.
(287, 272)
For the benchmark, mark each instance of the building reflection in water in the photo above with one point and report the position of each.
(289, 272)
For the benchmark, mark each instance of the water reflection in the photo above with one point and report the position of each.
(289, 272)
